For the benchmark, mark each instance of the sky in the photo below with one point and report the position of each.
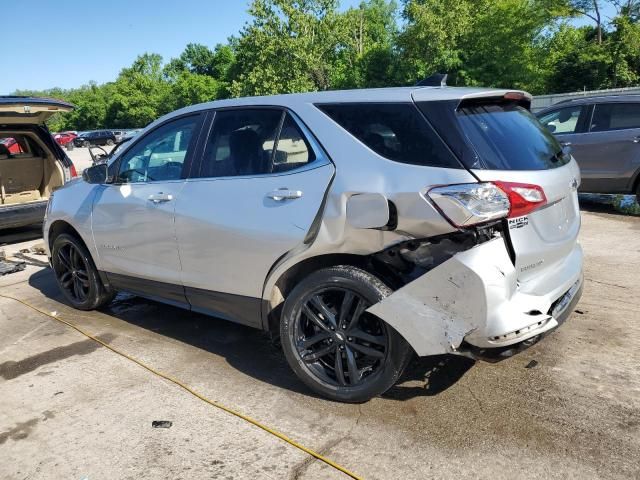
(67, 43)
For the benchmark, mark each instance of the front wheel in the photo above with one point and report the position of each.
(77, 275)
(109, 142)
(332, 344)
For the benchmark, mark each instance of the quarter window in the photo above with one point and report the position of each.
(396, 131)
(615, 116)
(292, 149)
(160, 155)
(562, 121)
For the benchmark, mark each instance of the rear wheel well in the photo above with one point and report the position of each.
(289, 279)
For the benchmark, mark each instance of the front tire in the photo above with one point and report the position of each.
(332, 344)
(77, 275)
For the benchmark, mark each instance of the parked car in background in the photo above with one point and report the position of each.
(12, 146)
(32, 164)
(359, 226)
(119, 134)
(64, 138)
(604, 136)
(98, 137)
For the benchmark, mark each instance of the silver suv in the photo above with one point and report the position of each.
(362, 227)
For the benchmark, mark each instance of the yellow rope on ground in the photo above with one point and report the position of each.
(177, 382)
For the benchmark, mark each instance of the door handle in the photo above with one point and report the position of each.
(284, 194)
(160, 197)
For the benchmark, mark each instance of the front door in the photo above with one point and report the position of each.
(260, 185)
(133, 217)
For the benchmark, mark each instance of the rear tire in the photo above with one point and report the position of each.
(332, 344)
(109, 142)
(77, 275)
(85, 144)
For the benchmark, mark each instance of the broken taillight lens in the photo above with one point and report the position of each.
(524, 198)
(473, 203)
(470, 203)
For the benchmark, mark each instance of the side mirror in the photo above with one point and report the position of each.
(96, 174)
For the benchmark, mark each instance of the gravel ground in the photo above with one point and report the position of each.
(71, 409)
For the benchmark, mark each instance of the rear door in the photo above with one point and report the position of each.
(260, 184)
(609, 153)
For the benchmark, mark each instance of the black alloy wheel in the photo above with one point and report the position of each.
(77, 275)
(71, 270)
(339, 342)
(333, 344)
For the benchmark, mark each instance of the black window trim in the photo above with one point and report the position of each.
(320, 156)
(460, 164)
(593, 112)
(188, 161)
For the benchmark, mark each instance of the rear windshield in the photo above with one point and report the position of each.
(508, 137)
(396, 131)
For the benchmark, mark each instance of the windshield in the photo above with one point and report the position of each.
(508, 137)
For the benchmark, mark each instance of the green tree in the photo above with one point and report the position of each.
(366, 55)
(289, 46)
(139, 93)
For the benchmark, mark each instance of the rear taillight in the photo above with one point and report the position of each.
(74, 173)
(523, 197)
(473, 203)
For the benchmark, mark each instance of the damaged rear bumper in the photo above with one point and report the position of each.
(473, 302)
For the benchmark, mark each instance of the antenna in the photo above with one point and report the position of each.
(435, 80)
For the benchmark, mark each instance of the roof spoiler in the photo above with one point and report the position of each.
(435, 80)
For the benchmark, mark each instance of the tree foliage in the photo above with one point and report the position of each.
(302, 45)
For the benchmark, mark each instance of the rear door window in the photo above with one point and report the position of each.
(506, 136)
(241, 142)
(396, 131)
(615, 116)
(564, 120)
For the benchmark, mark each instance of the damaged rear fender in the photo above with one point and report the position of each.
(437, 310)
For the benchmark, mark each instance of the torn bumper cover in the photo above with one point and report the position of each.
(475, 298)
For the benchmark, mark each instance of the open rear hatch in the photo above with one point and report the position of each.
(499, 141)
(30, 110)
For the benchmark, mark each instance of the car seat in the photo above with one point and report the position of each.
(246, 152)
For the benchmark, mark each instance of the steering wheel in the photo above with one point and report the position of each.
(100, 157)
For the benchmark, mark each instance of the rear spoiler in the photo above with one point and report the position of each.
(518, 97)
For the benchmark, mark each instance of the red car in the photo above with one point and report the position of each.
(11, 145)
(63, 138)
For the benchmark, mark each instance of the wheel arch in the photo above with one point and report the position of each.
(61, 226)
(294, 274)
(635, 184)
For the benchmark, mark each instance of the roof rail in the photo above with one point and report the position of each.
(435, 80)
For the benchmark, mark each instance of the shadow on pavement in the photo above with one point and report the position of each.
(428, 376)
(252, 351)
